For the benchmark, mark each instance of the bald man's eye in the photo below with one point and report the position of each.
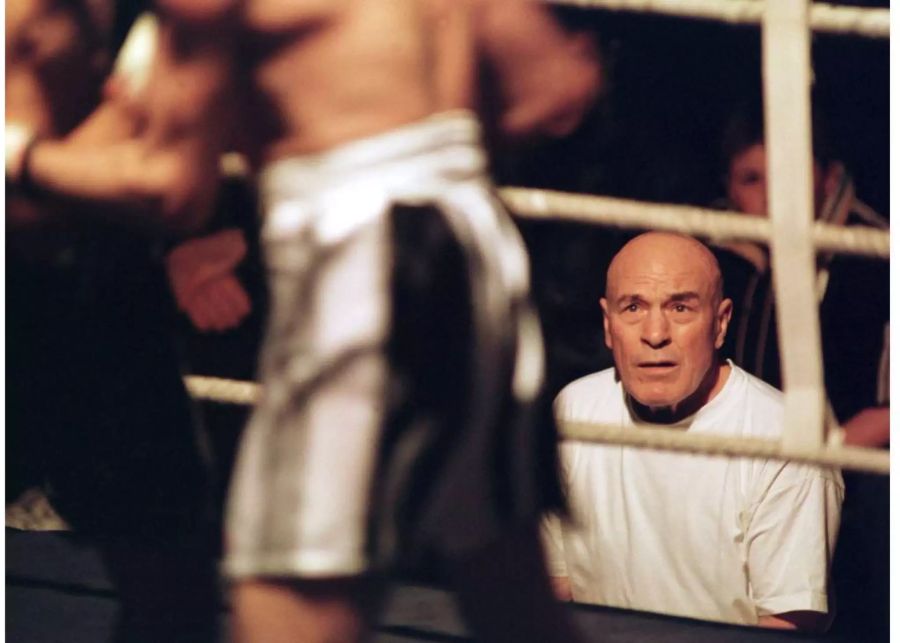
(682, 310)
(631, 308)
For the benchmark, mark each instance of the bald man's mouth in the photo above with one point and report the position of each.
(657, 366)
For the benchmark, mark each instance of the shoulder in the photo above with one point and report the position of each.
(590, 384)
(760, 392)
(589, 395)
(763, 417)
(757, 405)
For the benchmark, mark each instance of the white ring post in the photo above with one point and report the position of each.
(787, 83)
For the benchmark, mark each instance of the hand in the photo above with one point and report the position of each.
(219, 304)
(803, 620)
(562, 588)
(193, 263)
(870, 427)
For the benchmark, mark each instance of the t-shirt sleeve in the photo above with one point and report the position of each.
(791, 538)
(554, 555)
(551, 526)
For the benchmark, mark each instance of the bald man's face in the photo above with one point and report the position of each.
(663, 319)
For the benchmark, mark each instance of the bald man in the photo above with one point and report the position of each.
(745, 541)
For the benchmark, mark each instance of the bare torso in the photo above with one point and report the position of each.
(303, 76)
(325, 72)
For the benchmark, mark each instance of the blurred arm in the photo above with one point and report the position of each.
(547, 78)
(152, 157)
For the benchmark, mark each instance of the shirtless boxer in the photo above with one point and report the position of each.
(387, 426)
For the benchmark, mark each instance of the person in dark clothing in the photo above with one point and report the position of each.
(853, 291)
(97, 414)
(219, 286)
(854, 313)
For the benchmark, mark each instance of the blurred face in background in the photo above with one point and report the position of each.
(56, 60)
(747, 182)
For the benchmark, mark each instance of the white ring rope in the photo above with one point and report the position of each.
(873, 460)
(717, 225)
(823, 17)
(219, 389)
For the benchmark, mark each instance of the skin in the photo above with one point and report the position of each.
(664, 319)
(159, 151)
(151, 160)
(428, 64)
(201, 274)
(746, 181)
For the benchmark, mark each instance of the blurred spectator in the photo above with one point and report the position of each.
(854, 296)
(218, 284)
(853, 291)
(98, 415)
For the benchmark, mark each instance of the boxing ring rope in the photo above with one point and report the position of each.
(225, 391)
(220, 389)
(823, 17)
(715, 225)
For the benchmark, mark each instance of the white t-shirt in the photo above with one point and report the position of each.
(711, 537)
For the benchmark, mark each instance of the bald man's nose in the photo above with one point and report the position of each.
(655, 330)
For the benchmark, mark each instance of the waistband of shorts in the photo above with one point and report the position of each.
(447, 141)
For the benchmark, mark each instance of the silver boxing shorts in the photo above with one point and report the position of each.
(402, 367)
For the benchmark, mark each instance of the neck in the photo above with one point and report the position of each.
(712, 383)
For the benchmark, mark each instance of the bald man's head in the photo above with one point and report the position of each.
(664, 319)
(673, 248)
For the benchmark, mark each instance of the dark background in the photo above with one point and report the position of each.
(670, 85)
(654, 135)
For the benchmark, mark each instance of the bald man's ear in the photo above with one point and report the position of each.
(723, 317)
(605, 308)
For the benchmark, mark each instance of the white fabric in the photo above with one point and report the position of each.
(299, 504)
(135, 60)
(700, 536)
(17, 138)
